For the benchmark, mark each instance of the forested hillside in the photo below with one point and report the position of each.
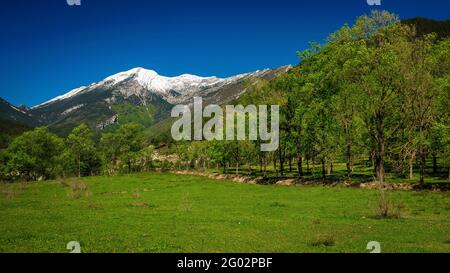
(426, 26)
(10, 130)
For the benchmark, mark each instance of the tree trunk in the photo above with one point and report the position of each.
(411, 168)
(237, 168)
(275, 163)
(324, 175)
(281, 163)
(265, 165)
(372, 160)
(300, 165)
(379, 154)
(423, 162)
(434, 164)
(379, 161)
(349, 161)
(329, 168)
(260, 162)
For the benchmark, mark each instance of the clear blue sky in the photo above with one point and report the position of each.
(48, 47)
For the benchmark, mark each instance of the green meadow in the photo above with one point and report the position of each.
(173, 213)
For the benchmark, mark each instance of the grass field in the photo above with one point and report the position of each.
(170, 213)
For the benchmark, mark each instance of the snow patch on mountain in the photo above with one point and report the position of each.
(18, 109)
(72, 109)
(68, 95)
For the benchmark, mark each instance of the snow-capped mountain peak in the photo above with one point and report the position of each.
(121, 76)
(150, 79)
(152, 82)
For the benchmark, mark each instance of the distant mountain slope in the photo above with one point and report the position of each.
(16, 114)
(9, 130)
(13, 122)
(138, 95)
(425, 26)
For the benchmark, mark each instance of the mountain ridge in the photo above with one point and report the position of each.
(137, 95)
(150, 79)
(18, 114)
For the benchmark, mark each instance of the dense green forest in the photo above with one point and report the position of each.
(375, 95)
